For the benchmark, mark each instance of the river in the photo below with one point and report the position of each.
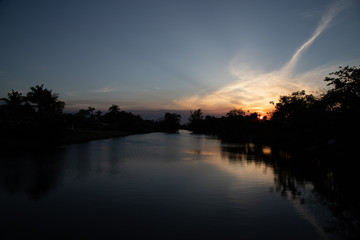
(158, 186)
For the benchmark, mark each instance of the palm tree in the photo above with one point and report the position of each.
(44, 100)
(14, 99)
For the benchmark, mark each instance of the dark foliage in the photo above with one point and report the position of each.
(327, 119)
(37, 122)
(170, 122)
(300, 120)
(34, 121)
(235, 126)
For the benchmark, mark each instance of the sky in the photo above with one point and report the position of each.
(162, 55)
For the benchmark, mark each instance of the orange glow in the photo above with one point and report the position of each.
(253, 89)
(266, 150)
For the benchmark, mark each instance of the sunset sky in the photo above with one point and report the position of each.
(175, 55)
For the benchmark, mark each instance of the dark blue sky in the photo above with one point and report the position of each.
(176, 55)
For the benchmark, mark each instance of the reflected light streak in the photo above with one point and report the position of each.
(257, 174)
(253, 171)
(266, 150)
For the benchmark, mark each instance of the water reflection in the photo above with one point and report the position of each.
(315, 184)
(180, 183)
(34, 175)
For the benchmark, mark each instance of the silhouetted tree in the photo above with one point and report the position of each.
(84, 118)
(305, 119)
(98, 115)
(32, 120)
(114, 109)
(15, 107)
(91, 111)
(345, 94)
(87, 113)
(343, 105)
(171, 122)
(126, 122)
(196, 115)
(113, 114)
(252, 116)
(14, 100)
(196, 123)
(299, 120)
(294, 106)
(44, 100)
(236, 113)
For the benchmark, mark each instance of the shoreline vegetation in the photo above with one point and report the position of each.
(322, 122)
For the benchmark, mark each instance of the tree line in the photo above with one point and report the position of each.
(299, 119)
(37, 119)
(323, 120)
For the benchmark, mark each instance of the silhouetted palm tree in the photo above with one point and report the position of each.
(14, 99)
(45, 100)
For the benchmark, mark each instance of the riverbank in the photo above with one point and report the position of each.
(25, 144)
(85, 135)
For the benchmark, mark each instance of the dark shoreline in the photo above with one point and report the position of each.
(84, 135)
(20, 146)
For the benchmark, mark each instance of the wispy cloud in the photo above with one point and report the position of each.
(254, 90)
(330, 14)
(105, 90)
(71, 93)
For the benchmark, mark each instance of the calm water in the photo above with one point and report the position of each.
(156, 186)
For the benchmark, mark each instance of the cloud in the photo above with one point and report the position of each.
(71, 93)
(333, 10)
(106, 90)
(253, 90)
